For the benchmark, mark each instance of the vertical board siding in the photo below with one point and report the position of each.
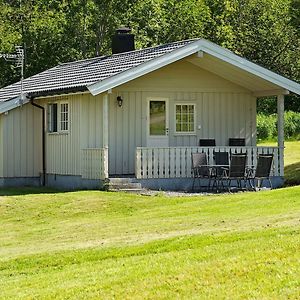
(126, 131)
(22, 142)
(63, 149)
(175, 162)
(220, 115)
(93, 163)
(64, 155)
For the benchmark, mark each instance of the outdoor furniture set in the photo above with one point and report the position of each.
(230, 170)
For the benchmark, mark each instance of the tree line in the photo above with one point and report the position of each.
(266, 32)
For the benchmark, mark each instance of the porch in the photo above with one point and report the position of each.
(162, 167)
(170, 168)
(175, 162)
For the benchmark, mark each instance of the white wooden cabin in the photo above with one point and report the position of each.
(139, 114)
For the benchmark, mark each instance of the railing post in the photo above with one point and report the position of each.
(105, 135)
(138, 163)
(280, 129)
(105, 163)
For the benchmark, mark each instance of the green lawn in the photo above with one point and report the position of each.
(291, 161)
(103, 245)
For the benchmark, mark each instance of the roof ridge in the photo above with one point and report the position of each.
(123, 53)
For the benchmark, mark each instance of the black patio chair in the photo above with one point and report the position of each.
(221, 162)
(221, 159)
(236, 171)
(207, 142)
(237, 142)
(200, 168)
(262, 171)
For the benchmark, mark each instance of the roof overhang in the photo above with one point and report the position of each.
(224, 61)
(12, 103)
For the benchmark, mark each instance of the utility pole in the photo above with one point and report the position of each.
(17, 58)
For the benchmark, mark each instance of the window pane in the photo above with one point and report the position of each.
(184, 127)
(52, 117)
(157, 118)
(64, 116)
(192, 118)
(185, 118)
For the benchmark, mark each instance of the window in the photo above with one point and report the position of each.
(52, 117)
(157, 117)
(64, 116)
(58, 117)
(185, 118)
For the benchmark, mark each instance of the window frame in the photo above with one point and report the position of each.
(59, 111)
(59, 119)
(195, 118)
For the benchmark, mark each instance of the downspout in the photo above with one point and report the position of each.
(43, 139)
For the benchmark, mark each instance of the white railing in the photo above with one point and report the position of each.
(175, 162)
(94, 163)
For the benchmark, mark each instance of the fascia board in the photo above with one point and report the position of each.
(244, 64)
(143, 69)
(11, 104)
(200, 45)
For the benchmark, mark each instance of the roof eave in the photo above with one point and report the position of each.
(145, 68)
(199, 45)
(246, 65)
(12, 103)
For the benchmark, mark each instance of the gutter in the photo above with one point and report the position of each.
(43, 138)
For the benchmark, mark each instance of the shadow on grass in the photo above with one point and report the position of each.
(18, 191)
(292, 174)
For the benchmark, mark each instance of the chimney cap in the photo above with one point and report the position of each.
(123, 30)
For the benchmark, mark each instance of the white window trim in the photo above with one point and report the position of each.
(59, 130)
(59, 120)
(195, 118)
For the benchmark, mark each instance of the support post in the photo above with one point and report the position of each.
(105, 133)
(280, 130)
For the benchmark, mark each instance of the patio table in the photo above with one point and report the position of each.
(217, 178)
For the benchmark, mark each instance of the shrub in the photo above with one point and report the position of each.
(267, 126)
(291, 124)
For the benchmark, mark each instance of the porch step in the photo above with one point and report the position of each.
(127, 184)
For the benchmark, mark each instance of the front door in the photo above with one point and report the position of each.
(158, 123)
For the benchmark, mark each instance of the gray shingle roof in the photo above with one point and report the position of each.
(75, 76)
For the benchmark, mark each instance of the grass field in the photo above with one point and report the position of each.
(102, 245)
(291, 161)
(85, 245)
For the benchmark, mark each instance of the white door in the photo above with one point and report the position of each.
(158, 123)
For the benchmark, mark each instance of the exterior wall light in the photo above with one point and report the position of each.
(120, 101)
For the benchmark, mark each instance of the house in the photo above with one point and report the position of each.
(136, 113)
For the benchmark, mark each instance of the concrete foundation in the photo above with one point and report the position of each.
(20, 181)
(186, 184)
(69, 182)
